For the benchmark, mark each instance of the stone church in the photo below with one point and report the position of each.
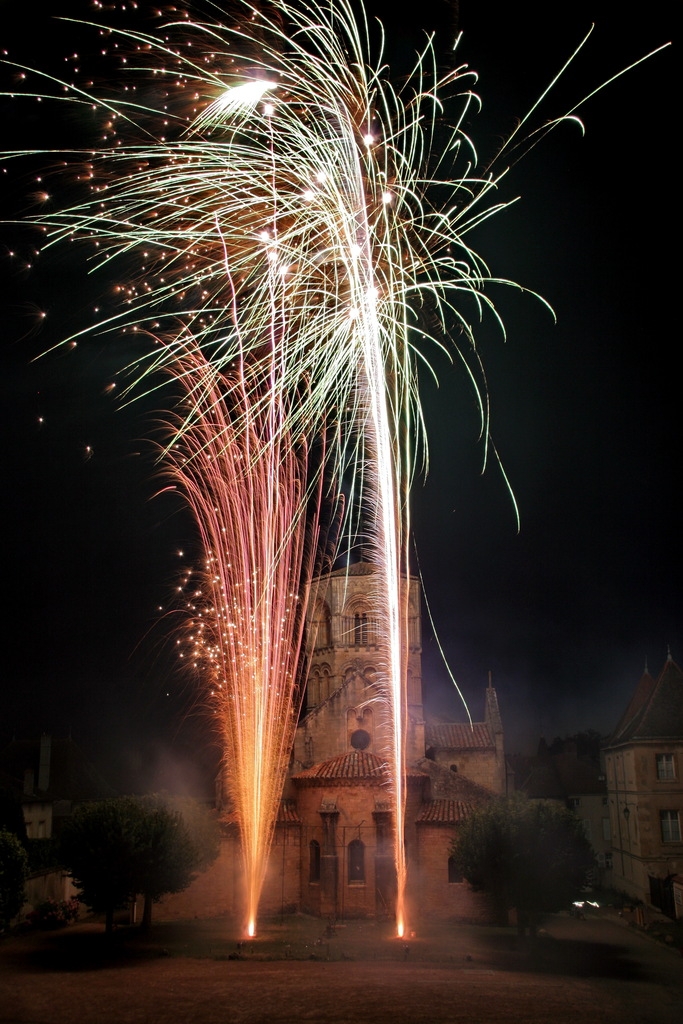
(332, 850)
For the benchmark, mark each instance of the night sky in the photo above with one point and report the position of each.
(584, 413)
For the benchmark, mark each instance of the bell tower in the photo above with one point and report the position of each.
(344, 706)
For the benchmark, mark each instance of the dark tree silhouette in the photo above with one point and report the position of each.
(116, 849)
(13, 874)
(530, 855)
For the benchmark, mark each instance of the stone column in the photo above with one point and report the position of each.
(385, 868)
(329, 861)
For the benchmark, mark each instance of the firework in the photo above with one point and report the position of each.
(245, 480)
(293, 230)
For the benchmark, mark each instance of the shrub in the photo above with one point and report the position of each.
(54, 913)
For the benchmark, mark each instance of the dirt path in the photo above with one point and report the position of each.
(588, 971)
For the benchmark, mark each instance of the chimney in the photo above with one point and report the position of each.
(44, 766)
(28, 782)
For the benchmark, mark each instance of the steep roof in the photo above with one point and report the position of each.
(641, 695)
(655, 711)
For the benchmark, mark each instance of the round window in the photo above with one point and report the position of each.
(360, 739)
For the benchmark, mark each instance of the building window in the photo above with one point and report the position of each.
(671, 826)
(360, 630)
(574, 802)
(665, 767)
(606, 830)
(608, 862)
(356, 861)
(454, 872)
(314, 861)
(360, 739)
(323, 627)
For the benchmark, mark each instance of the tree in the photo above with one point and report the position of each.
(98, 847)
(13, 875)
(530, 855)
(179, 839)
(116, 849)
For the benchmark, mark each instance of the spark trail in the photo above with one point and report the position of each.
(245, 480)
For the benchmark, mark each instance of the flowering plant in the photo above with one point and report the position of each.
(54, 913)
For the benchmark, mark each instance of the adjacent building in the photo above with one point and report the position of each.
(643, 765)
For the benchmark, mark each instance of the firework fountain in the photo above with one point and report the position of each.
(297, 230)
(245, 480)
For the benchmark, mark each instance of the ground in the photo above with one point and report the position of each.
(594, 970)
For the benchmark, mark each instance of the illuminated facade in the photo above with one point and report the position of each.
(644, 764)
(332, 853)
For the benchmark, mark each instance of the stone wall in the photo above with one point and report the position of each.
(435, 897)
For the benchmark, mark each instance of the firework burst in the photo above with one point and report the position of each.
(293, 230)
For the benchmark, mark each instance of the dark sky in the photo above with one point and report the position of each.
(585, 415)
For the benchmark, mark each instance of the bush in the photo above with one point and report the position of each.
(54, 914)
(13, 875)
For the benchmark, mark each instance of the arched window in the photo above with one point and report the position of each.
(313, 696)
(360, 629)
(356, 861)
(314, 861)
(323, 626)
(454, 872)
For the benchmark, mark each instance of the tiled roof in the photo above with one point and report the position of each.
(444, 812)
(642, 694)
(656, 709)
(356, 765)
(286, 813)
(458, 736)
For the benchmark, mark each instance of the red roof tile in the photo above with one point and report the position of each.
(458, 735)
(357, 764)
(286, 813)
(443, 812)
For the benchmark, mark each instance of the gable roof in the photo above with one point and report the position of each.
(458, 736)
(655, 711)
